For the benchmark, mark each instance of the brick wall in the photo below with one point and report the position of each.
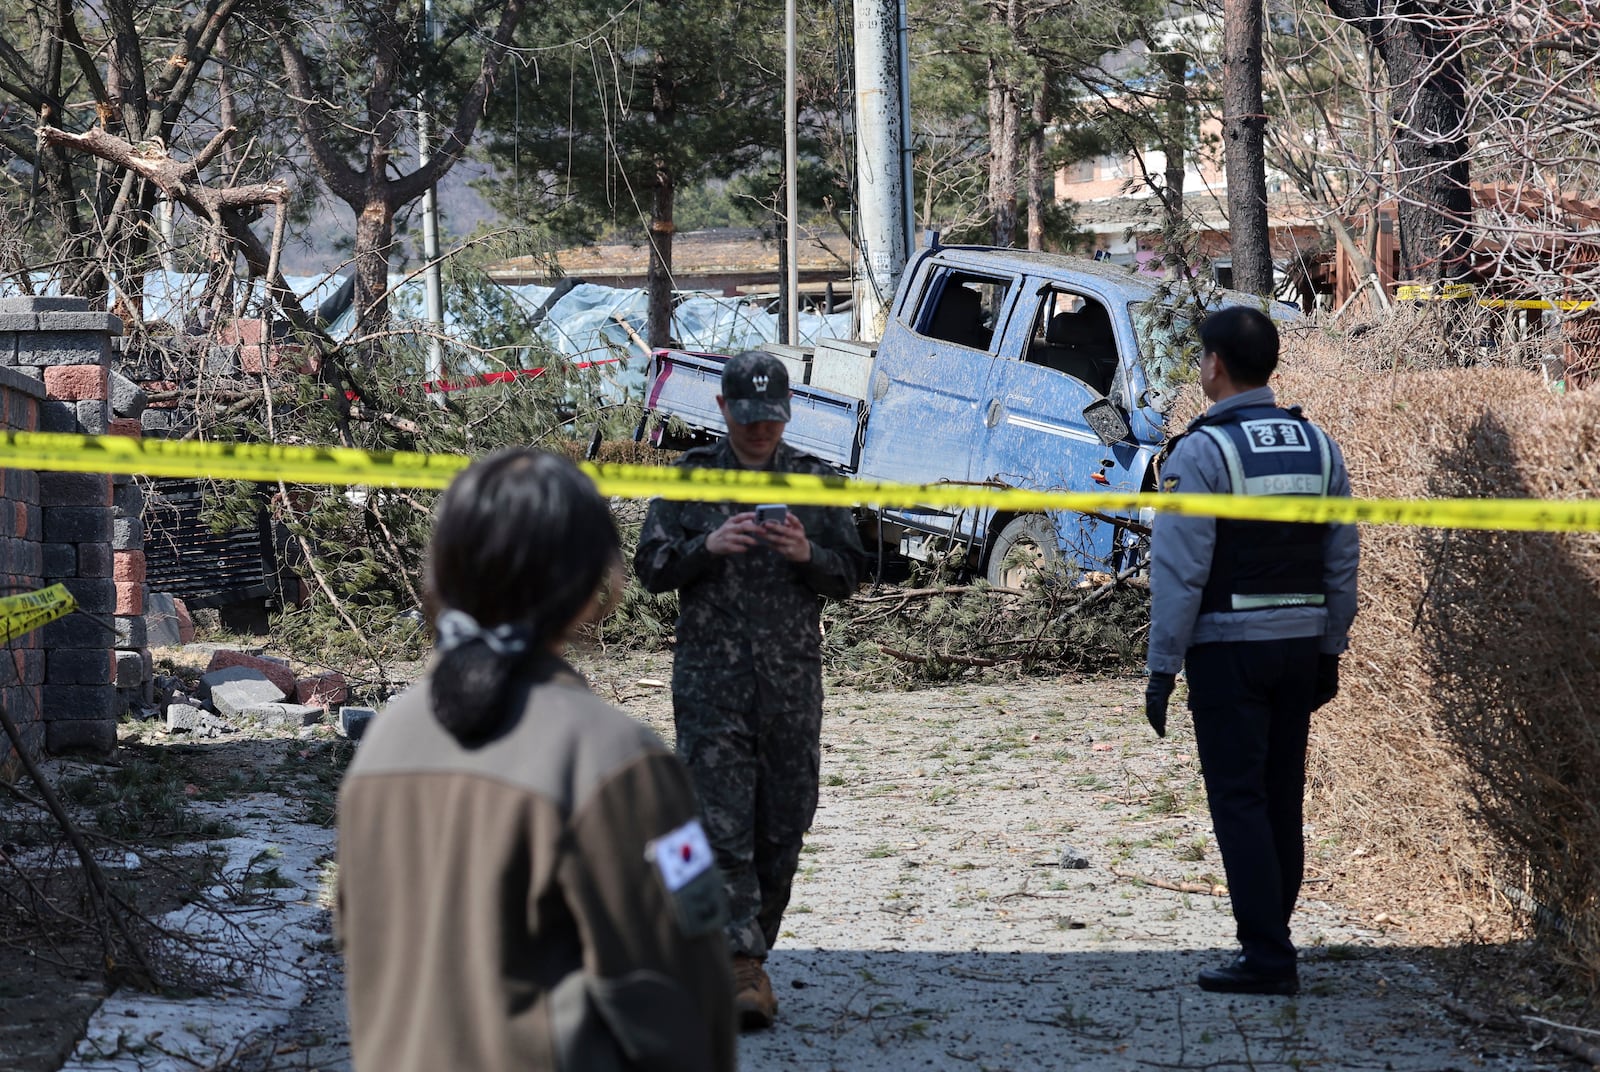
(22, 665)
(89, 535)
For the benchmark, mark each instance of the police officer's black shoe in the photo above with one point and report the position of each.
(1240, 977)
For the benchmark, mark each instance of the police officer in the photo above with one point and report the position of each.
(747, 673)
(1259, 613)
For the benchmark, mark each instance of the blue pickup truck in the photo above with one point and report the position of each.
(997, 367)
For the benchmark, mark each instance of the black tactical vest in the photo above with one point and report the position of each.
(1259, 565)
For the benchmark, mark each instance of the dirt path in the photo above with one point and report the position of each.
(934, 926)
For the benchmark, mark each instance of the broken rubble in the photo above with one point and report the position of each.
(235, 688)
(323, 690)
(186, 718)
(280, 716)
(274, 670)
(353, 721)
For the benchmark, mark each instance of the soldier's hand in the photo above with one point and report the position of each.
(735, 536)
(788, 538)
(1156, 694)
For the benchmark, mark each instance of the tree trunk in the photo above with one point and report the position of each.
(1174, 133)
(1004, 137)
(1040, 188)
(1244, 126)
(373, 250)
(1428, 115)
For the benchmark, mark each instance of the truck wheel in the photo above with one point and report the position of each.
(1025, 551)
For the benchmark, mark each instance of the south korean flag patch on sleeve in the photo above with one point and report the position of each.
(683, 860)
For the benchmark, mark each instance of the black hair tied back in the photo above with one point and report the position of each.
(521, 544)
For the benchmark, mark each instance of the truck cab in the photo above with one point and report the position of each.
(1003, 368)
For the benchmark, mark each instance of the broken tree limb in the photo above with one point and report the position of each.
(936, 657)
(1168, 884)
(104, 901)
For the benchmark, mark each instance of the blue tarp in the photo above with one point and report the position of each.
(585, 324)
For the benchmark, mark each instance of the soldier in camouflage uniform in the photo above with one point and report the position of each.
(747, 675)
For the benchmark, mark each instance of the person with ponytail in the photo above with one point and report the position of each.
(523, 879)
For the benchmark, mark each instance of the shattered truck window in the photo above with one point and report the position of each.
(966, 310)
(1169, 349)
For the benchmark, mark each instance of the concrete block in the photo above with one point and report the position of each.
(127, 534)
(60, 561)
(75, 382)
(81, 736)
(30, 664)
(128, 566)
(46, 348)
(187, 718)
(129, 598)
(22, 485)
(75, 489)
(185, 623)
(221, 361)
(127, 398)
(54, 304)
(79, 631)
(10, 322)
(77, 524)
(128, 500)
(94, 417)
(80, 666)
(156, 420)
(72, 320)
(95, 560)
(70, 702)
(233, 689)
(125, 426)
(161, 620)
(95, 595)
(282, 716)
(274, 671)
(59, 417)
(163, 387)
(322, 690)
(353, 721)
(130, 670)
(129, 632)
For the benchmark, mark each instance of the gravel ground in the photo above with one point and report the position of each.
(934, 924)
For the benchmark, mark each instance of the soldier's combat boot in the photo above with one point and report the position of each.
(752, 994)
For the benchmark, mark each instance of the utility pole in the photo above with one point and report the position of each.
(432, 280)
(881, 138)
(791, 153)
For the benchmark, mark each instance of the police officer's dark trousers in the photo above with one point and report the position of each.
(1251, 702)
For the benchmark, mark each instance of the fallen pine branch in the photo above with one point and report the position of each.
(937, 657)
(1168, 884)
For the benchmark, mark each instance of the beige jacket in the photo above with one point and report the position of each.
(545, 901)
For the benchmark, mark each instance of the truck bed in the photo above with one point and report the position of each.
(824, 423)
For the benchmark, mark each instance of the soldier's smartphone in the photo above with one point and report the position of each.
(772, 512)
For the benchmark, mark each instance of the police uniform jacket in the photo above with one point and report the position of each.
(1185, 608)
(544, 901)
(754, 614)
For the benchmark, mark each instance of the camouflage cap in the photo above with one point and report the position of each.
(755, 385)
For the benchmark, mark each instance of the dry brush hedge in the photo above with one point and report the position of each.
(1458, 769)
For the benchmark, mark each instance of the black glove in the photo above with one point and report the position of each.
(1327, 680)
(1156, 694)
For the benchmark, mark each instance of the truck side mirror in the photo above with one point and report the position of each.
(1106, 421)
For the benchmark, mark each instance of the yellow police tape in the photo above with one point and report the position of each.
(273, 462)
(26, 612)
